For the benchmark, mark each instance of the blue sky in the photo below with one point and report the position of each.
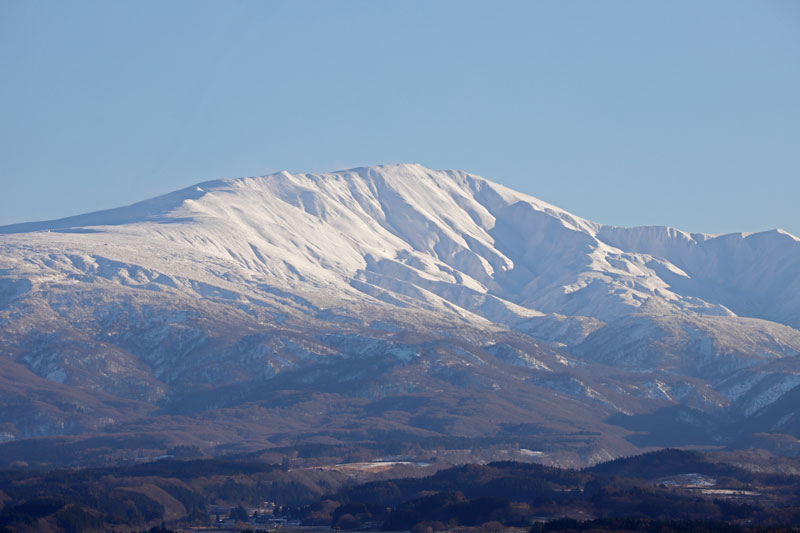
(679, 113)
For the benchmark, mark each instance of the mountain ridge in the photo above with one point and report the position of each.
(230, 281)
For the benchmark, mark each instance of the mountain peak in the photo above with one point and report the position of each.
(423, 274)
(466, 241)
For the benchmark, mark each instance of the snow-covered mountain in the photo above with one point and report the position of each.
(237, 280)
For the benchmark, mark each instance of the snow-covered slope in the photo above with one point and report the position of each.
(138, 298)
(447, 240)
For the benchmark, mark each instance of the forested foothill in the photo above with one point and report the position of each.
(668, 490)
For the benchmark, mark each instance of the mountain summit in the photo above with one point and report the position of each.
(237, 280)
(474, 244)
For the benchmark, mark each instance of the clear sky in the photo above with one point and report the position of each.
(682, 113)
